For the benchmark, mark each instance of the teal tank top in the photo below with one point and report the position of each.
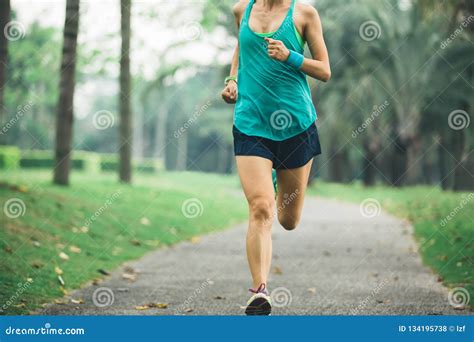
(274, 99)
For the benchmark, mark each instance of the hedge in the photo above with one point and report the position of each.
(110, 162)
(9, 157)
(81, 160)
(85, 161)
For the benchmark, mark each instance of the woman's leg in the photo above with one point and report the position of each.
(292, 186)
(256, 177)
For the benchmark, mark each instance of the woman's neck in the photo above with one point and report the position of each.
(271, 3)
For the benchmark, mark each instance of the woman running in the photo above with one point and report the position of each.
(274, 121)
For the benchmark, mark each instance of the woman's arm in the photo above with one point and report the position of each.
(318, 66)
(229, 94)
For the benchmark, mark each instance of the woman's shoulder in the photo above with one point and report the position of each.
(239, 7)
(307, 11)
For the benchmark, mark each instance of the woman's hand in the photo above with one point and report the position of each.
(277, 50)
(229, 94)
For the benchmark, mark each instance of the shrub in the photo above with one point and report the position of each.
(81, 160)
(9, 157)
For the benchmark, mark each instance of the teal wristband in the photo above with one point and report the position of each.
(295, 60)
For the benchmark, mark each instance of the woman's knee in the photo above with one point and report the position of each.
(289, 222)
(262, 209)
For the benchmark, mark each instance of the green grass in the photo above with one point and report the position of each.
(130, 221)
(447, 246)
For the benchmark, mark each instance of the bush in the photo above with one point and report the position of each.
(36, 159)
(9, 157)
(81, 160)
(110, 162)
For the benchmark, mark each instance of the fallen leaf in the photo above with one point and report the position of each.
(30, 280)
(129, 276)
(77, 301)
(142, 307)
(123, 289)
(84, 229)
(195, 239)
(326, 253)
(75, 230)
(21, 305)
(8, 249)
(63, 290)
(64, 256)
(219, 297)
(104, 272)
(158, 305)
(36, 244)
(145, 221)
(60, 301)
(74, 249)
(135, 242)
(60, 245)
(312, 290)
(37, 264)
(61, 280)
(58, 270)
(152, 243)
(95, 282)
(188, 310)
(277, 270)
(22, 188)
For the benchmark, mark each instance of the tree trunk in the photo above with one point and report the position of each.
(160, 133)
(459, 144)
(126, 136)
(399, 162)
(414, 164)
(337, 166)
(222, 156)
(442, 166)
(182, 153)
(65, 111)
(5, 13)
(369, 171)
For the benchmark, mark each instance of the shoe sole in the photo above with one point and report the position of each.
(258, 307)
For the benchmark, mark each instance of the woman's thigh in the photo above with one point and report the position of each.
(256, 177)
(292, 184)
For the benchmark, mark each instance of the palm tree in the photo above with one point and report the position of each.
(125, 140)
(5, 13)
(65, 110)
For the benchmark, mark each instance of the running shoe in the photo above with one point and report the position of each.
(260, 303)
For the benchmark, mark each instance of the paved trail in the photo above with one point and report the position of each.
(336, 262)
